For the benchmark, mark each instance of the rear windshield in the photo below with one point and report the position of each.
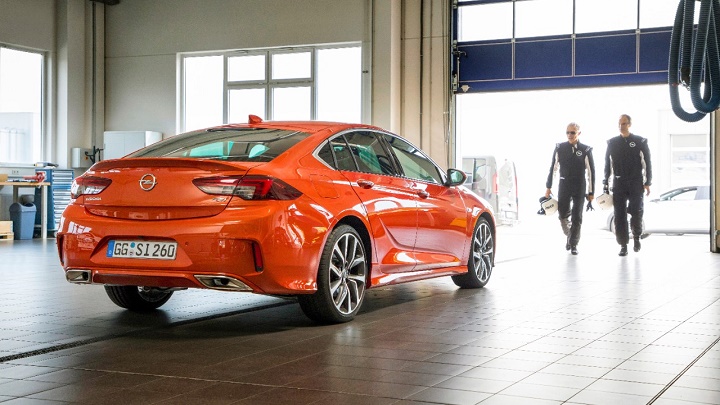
(235, 144)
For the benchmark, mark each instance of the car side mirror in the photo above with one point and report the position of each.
(455, 177)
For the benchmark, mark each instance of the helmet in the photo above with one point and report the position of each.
(604, 201)
(548, 206)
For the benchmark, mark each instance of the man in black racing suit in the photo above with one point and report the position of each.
(627, 160)
(576, 183)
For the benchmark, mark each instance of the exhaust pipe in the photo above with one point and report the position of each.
(223, 283)
(78, 276)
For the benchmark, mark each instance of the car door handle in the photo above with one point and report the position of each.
(423, 193)
(365, 183)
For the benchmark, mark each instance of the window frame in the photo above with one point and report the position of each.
(38, 152)
(268, 85)
(632, 56)
(381, 137)
(638, 7)
(439, 177)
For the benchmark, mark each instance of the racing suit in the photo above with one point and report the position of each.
(627, 160)
(577, 181)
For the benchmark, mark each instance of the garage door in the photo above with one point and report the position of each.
(505, 45)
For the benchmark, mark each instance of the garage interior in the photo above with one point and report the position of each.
(549, 328)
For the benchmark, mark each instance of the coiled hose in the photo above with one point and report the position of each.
(694, 56)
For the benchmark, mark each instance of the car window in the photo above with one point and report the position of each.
(481, 174)
(686, 195)
(211, 150)
(369, 153)
(414, 163)
(325, 154)
(343, 157)
(230, 144)
(478, 171)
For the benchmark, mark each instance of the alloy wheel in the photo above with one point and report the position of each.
(347, 273)
(483, 251)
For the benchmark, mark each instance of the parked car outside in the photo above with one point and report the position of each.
(497, 185)
(676, 212)
(315, 210)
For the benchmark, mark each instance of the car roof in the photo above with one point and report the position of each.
(701, 192)
(304, 126)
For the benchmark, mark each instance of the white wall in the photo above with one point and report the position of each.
(143, 38)
(138, 40)
(28, 23)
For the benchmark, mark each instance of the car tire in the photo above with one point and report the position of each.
(341, 279)
(136, 298)
(482, 257)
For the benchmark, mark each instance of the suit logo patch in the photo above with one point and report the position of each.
(579, 153)
(632, 144)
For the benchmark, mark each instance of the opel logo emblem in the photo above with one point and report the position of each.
(632, 144)
(148, 182)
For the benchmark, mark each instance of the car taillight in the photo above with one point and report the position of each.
(88, 186)
(248, 187)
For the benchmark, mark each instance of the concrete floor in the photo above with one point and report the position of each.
(550, 328)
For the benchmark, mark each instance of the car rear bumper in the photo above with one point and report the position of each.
(236, 250)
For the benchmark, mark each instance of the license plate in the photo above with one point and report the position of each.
(140, 249)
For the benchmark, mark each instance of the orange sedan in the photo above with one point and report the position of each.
(317, 210)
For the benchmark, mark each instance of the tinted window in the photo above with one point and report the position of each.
(369, 153)
(414, 163)
(344, 158)
(325, 154)
(231, 144)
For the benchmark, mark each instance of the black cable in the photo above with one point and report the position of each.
(694, 58)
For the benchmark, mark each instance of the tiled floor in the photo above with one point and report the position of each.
(550, 328)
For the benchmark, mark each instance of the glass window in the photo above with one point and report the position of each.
(203, 87)
(342, 154)
(207, 151)
(326, 155)
(244, 102)
(339, 84)
(654, 13)
(246, 68)
(485, 22)
(321, 83)
(369, 153)
(606, 15)
(21, 88)
(291, 103)
(244, 145)
(415, 165)
(537, 18)
(689, 159)
(685, 196)
(294, 65)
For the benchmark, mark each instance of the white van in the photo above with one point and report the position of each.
(497, 185)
